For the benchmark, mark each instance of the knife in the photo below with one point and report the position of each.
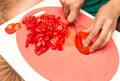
(75, 26)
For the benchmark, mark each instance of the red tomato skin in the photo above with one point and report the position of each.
(79, 38)
(12, 28)
(46, 28)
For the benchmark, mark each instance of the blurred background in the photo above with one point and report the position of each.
(6, 72)
(8, 10)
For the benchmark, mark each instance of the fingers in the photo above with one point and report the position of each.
(105, 31)
(71, 8)
(66, 11)
(94, 30)
(102, 39)
(65, 8)
(108, 37)
(73, 15)
(106, 41)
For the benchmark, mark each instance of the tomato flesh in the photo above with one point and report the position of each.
(12, 28)
(79, 38)
(44, 32)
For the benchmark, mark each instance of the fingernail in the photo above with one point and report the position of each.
(85, 44)
(91, 49)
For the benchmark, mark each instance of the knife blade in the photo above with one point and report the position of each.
(75, 26)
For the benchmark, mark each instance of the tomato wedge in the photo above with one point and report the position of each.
(12, 28)
(79, 38)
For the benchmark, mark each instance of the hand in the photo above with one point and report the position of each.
(71, 8)
(104, 24)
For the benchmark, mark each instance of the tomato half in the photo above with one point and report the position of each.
(79, 38)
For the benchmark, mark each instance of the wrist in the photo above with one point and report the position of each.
(116, 5)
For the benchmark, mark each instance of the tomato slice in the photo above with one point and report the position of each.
(11, 28)
(79, 38)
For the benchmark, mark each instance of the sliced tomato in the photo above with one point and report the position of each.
(79, 38)
(11, 28)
